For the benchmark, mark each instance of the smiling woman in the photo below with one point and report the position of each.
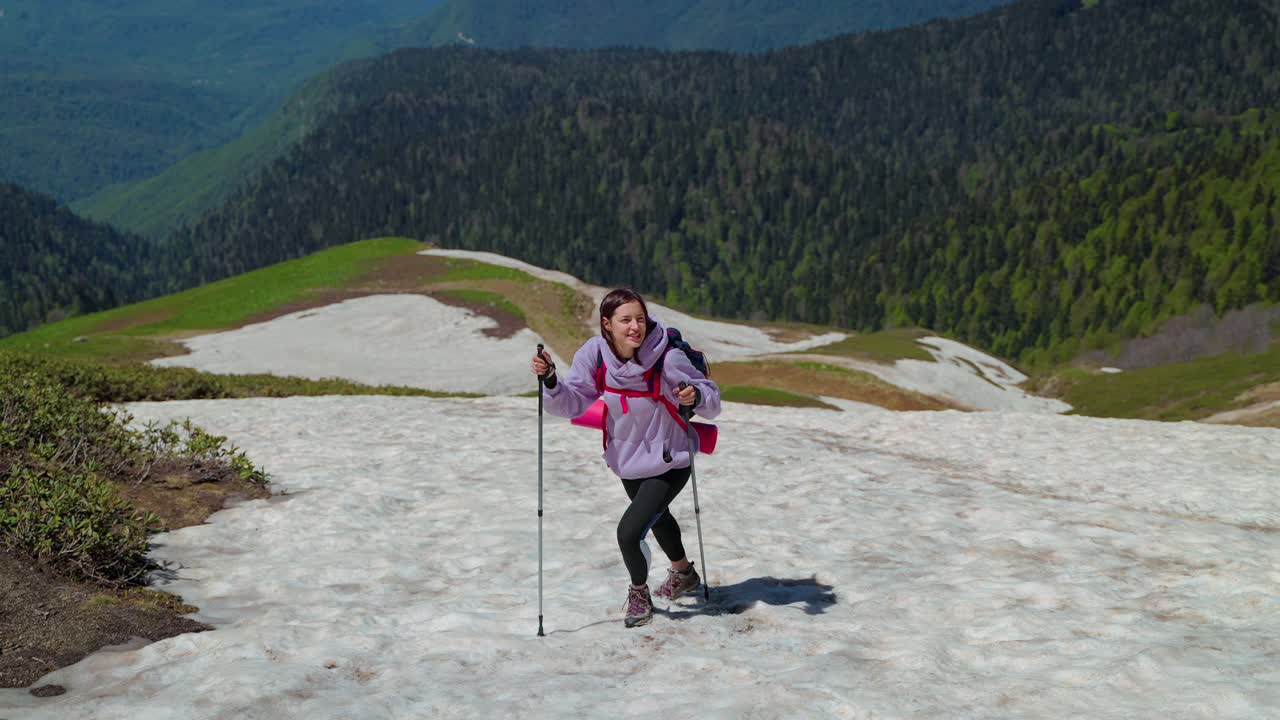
(646, 441)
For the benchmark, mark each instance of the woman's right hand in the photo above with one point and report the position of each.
(540, 366)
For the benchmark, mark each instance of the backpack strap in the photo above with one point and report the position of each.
(653, 381)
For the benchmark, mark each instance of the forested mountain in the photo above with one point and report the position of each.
(815, 183)
(1131, 226)
(68, 135)
(54, 264)
(98, 92)
(1025, 180)
(739, 25)
(179, 194)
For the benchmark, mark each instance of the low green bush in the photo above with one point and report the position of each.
(61, 454)
(137, 383)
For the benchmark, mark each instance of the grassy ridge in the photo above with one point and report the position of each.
(146, 330)
(884, 346)
(755, 395)
(129, 332)
(487, 298)
(1180, 391)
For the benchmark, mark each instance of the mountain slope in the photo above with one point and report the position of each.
(796, 185)
(54, 264)
(105, 93)
(1131, 227)
(927, 176)
(200, 181)
(739, 25)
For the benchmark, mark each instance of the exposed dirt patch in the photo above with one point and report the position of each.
(1266, 418)
(131, 321)
(508, 323)
(848, 385)
(789, 334)
(147, 350)
(1262, 393)
(183, 497)
(48, 621)
(405, 272)
(556, 313)
(1263, 414)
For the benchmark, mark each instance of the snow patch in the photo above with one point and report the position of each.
(926, 565)
(410, 340)
(721, 341)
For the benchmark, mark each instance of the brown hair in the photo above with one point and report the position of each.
(616, 299)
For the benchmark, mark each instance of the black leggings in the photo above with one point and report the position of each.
(649, 500)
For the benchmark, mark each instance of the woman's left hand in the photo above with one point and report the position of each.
(687, 396)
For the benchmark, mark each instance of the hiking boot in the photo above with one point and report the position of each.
(639, 606)
(678, 583)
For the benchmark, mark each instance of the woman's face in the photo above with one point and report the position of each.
(627, 327)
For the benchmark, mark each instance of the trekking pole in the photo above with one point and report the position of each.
(540, 379)
(687, 413)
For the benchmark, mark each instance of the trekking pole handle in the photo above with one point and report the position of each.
(551, 366)
(686, 411)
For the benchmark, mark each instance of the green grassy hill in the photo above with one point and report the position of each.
(150, 329)
(1191, 390)
(135, 333)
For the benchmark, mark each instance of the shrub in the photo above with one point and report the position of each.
(61, 452)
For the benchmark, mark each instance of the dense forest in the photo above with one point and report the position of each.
(1131, 227)
(856, 182)
(1046, 175)
(54, 264)
(157, 205)
(102, 93)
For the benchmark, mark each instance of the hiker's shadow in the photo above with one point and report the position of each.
(812, 597)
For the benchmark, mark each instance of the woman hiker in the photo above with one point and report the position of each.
(645, 443)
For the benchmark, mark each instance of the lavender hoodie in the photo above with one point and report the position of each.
(638, 437)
